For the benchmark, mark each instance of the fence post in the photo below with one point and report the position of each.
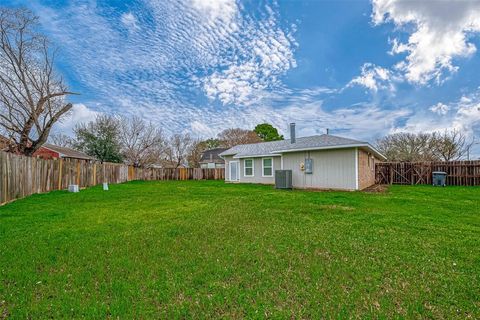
(60, 174)
(94, 174)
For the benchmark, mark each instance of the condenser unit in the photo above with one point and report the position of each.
(283, 179)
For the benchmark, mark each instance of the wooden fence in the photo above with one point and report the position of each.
(459, 173)
(21, 176)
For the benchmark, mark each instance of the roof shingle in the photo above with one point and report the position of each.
(212, 155)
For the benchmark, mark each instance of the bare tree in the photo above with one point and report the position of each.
(451, 145)
(32, 95)
(436, 146)
(195, 154)
(407, 147)
(177, 150)
(470, 145)
(236, 136)
(142, 144)
(61, 140)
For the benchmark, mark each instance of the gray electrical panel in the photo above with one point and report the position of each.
(309, 166)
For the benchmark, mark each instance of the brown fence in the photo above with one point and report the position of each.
(21, 176)
(459, 173)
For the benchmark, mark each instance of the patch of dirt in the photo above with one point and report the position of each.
(377, 188)
(3, 310)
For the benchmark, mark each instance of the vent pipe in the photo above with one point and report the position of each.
(292, 132)
(328, 131)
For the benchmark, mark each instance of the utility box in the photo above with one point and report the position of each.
(283, 179)
(439, 178)
(309, 166)
(73, 188)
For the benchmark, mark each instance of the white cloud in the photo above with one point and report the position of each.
(201, 129)
(185, 49)
(129, 20)
(463, 115)
(264, 53)
(217, 9)
(440, 108)
(441, 31)
(78, 114)
(374, 78)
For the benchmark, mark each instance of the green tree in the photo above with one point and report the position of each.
(267, 132)
(100, 138)
(211, 143)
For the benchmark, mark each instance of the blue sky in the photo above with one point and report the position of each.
(361, 68)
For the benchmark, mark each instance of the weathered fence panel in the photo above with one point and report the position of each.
(21, 176)
(459, 173)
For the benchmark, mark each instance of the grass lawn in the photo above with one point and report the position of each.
(207, 249)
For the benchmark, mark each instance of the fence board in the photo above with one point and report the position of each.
(459, 173)
(21, 176)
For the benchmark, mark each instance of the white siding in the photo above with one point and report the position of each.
(257, 170)
(332, 169)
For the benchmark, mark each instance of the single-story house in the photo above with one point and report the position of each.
(50, 151)
(211, 158)
(317, 162)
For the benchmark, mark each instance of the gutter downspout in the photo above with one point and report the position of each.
(356, 168)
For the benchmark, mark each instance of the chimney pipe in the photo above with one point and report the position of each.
(328, 131)
(292, 132)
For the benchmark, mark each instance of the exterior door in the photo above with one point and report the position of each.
(234, 170)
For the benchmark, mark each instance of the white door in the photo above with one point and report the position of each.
(234, 170)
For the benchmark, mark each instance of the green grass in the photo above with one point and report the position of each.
(208, 249)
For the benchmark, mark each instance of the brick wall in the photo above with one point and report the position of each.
(366, 169)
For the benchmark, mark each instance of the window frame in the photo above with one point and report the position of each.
(245, 167)
(263, 167)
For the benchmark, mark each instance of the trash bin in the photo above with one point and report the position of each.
(439, 178)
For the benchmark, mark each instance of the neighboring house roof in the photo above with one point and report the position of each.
(212, 155)
(4, 142)
(319, 142)
(65, 152)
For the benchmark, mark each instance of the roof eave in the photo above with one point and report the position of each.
(345, 146)
(257, 156)
(226, 155)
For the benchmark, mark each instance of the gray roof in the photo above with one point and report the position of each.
(324, 141)
(212, 155)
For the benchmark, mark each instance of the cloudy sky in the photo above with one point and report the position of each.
(360, 68)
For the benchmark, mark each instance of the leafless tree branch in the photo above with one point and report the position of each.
(32, 95)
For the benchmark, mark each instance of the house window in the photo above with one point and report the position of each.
(267, 167)
(248, 167)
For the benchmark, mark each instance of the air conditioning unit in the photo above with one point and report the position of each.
(283, 179)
